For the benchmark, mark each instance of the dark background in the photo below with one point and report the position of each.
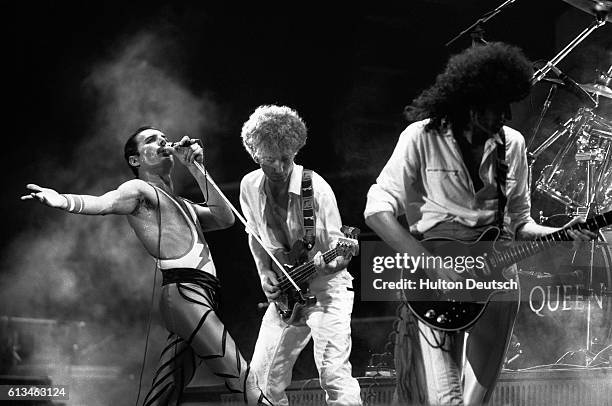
(82, 76)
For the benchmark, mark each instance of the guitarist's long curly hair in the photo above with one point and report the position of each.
(477, 77)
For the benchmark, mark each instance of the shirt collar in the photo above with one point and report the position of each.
(497, 136)
(447, 132)
(295, 183)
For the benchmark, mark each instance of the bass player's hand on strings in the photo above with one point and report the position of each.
(269, 284)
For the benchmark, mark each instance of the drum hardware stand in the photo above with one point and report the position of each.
(589, 355)
(585, 212)
(600, 20)
(567, 127)
(530, 156)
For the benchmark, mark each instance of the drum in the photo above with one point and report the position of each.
(566, 307)
(583, 166)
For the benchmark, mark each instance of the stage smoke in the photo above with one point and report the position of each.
(73, 267)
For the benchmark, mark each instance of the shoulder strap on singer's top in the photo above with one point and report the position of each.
(308, 209)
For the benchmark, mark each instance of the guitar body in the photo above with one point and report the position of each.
(291, 304)
(292, 307)
(458, 316)
(452, 304)
(449, 308)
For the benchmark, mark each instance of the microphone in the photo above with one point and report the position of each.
(573, 85)
(178, 144)
(185, 143)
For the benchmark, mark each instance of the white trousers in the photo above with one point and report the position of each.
(278, 345)
(457, 377)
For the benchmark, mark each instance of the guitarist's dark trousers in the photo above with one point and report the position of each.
(463, 376)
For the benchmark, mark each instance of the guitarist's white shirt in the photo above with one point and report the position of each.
(426, 180)
(328, 222)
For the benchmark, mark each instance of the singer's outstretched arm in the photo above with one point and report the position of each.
(123, 200)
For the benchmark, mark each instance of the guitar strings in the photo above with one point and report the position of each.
(304, 272)
(560, 235)
(284, 281)
(513, 254)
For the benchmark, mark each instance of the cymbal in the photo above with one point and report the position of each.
(594, 7)
(598, 89)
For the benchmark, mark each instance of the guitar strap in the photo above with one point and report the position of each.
(501, 173)
(308, 209)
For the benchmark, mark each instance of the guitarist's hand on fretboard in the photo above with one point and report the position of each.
(335, 265)
(578, 235)
(344, 249)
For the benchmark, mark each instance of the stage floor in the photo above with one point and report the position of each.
(541, 387)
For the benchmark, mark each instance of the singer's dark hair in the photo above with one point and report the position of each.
(131, 147)
(483, 75)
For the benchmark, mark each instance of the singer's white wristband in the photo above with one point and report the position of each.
(75, 203)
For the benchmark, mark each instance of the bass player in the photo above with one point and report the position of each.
(275, 202)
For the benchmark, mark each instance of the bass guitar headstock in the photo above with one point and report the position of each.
(348, 245)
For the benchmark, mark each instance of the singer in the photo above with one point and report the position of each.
(170, 228)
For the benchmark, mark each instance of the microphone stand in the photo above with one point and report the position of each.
(201, 168)
(482, 20)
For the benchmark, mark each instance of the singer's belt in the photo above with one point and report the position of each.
(190, 275)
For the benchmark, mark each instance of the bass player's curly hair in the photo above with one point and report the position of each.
(273, 129)
(479, 76)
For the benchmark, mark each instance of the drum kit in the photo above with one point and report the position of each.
(566, 307)
(570, 307)
(580, 175)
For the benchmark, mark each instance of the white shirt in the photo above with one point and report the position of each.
(427, 181)
(254, 205)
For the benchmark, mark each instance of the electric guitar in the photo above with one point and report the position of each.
(292, 302)
(456, 308)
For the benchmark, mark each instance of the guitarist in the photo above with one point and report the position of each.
(272, 202)
(442, 176)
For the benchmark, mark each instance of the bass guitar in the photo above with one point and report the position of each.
(455, 300)
(292, 302)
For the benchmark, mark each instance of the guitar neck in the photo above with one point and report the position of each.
(529, 248)
(301, 273)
